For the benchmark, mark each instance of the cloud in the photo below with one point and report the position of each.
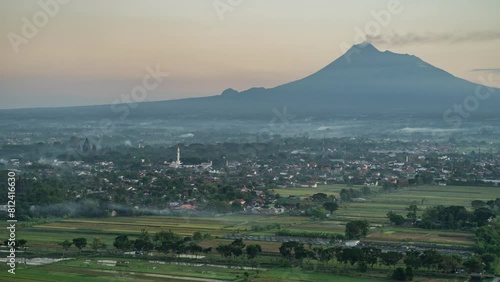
(395, 39)
(487, 70)
(187, 135)
(427, 130)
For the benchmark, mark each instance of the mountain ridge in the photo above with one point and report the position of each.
(363, 81)
(358, 58)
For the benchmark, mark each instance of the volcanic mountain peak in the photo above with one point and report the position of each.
(365, 46)
(363, 81)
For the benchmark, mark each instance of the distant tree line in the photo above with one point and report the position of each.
(458, 217)
(166, 242)
(363, 258)
(347, 194)
(449, 217)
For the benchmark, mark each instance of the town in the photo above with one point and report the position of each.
(251, 175)
(344, 193)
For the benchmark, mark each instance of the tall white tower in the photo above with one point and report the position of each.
(178, 162)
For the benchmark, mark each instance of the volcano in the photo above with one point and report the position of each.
(367, 81)
(362, 82)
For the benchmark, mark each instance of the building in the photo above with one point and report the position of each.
(353, 243)
(177, 163)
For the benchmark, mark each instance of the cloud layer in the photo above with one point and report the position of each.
(487, 70)
(397, 39)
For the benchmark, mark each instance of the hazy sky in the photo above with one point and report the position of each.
(93, 51)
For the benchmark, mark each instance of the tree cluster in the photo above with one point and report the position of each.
(370, 256)
(455, 217)
(346, 195)
(238, 248)
(166, 242)
(357, 229)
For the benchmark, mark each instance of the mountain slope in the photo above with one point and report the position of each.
(368, 81)
(363, 81)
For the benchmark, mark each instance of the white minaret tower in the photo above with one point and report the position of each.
(178, 162)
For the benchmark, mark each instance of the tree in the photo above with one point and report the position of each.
(454, 217)
(80, 243)
(409, 273)
(430, 258)
(305, 253)
(477, 204)
(122, 243)
(352, 255)
(488, 239)
(365, 190)
(253, 250)
(345, 195)
(236, 206)
(330, 206)
(197, 236)
(319, 197)
(166, 236)
(371, 255)
(325, 255)
(97, 244)
(316, 212)
(237, 247)
(488, 260)
(292, 250)
(390, 258)
(16, 244)
(233, 249)
(412, 213)
(194, 248)
(362, 266)
(491, 204)
(388, 186)
(399, 274)
(450, 263)
(357, 229)
(66, 244)
(224, 250)
(482, 216)
(144, 242)
(168, 241)
(340, 255)
(21, 243)
(412, 259)
(450, 217)
(474, 264)
(395, 218)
